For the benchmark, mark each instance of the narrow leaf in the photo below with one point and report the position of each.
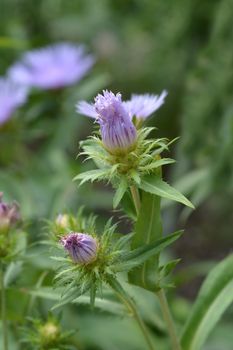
(121, 189)
(215, 296)
(140, 255)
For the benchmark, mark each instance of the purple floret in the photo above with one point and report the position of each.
(117, 130)
(12, 96)
(142, 106)
(52, 67)
(81, 247)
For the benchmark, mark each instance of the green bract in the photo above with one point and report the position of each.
(114, 255)
(138, 167)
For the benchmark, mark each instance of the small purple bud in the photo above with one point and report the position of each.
(9, 214)
(117, 130)
(81, 247)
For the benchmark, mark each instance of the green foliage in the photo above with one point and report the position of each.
(214, 298)
(155, 185)
(137, 257)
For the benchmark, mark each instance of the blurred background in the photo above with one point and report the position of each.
(183, 46)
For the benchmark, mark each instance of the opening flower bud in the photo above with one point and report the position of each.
(9, 214)
(62, 221)
(81, 247)
(117, 129)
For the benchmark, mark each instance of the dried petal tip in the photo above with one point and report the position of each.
(9, 214)
(117, 130)
(81, 247)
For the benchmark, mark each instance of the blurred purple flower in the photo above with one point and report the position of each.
(142, 106)
(9, 214)
(52, 67)
(117, 130)
(12, 96)
(81, 247)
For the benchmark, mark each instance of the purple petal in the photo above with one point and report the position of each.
(12, 96)
(142, 106)
(87, 109)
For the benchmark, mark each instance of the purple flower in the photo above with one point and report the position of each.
(117, 130)
(81, 247)
(52, 67)
(12, 96)
(142, 106)
(9, 214)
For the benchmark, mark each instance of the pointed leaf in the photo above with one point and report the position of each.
(138, 256)
(155, 185)
(121, 189)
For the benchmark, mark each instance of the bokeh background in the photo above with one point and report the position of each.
(183, 46)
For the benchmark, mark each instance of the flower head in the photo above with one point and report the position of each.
(52, 67)
(9, 214)
(12, 96)
(81, 247)
(142, 106)
(117, 130)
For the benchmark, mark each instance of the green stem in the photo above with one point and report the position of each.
(3, 308)
(136, 198)
(161, 295)
(168, 320)
(132, 307)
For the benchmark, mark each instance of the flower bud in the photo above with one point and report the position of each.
(117, 130)
(49, 333)
(62, 221)
(81, 247)
(9, 214)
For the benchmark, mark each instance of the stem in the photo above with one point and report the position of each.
(132, 307)
(161, 295)
(136, 198)
(168, 320)
(3, 308)
(140, 322)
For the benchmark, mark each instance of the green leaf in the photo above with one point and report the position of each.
(153, 184)
(166, 268)
(215, 296)
(157, 163)
(92, 175)
(121, 189)
(103, 304)
(148, 229)
(138, 256)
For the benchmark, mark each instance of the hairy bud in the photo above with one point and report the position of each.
(9, 214)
